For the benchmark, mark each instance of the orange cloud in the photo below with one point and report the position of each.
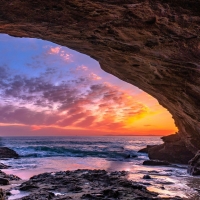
(94, 77)
(60, 52)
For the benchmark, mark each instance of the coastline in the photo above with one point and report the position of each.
(80, 184)
(167, 181)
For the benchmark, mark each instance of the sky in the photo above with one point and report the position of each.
(50, 90)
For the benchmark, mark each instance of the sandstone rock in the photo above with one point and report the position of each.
(158, 51)
(173, 150)
(7, 153)
(155, 163)
(194, 165)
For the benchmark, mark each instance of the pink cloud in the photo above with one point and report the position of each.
(61, 53)
(82, 68)
(94, 77)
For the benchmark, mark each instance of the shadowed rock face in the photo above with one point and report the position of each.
(7, 153)
(194, 165)
(154, 45)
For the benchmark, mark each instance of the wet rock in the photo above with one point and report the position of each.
(40, 195)
(194, 165)
(7, 153)
(147, 177)
(85, 184)
(111, 193)
(156, 163)
(173, 150)
(1, 194)
(25, 187)
(9, 177)
(130, 156)
(4, 181)
(2, 166)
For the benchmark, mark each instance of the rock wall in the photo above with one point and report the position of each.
(152, 44)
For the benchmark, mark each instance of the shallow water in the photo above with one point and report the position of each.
(16, 194)
(109, 153)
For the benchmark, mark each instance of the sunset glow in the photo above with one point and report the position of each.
(47, 89)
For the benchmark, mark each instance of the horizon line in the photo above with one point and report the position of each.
(77, 135)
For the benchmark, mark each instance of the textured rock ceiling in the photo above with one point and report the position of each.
(154, 45)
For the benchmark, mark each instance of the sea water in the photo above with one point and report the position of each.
(112, 153)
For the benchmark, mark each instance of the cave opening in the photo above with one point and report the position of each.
(153, 45)
(49, 92)
(48, 89)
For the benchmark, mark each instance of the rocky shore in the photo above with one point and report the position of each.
(85, 184)
(173, 150)
(79, 184)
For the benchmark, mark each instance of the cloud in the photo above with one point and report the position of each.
(94, 77)
(86, 122)
(21, 115)
(71, 119)
(61, 53)
(68, 104)
(49, 99)
(54, 50)
(82, 68)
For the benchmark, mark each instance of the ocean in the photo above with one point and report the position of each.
(112, 153)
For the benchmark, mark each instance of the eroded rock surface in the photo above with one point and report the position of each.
(194, 165)
(85, 184)
(173, 150)
(152, 44)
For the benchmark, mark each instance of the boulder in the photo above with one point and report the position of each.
(173, 150)
(194, 165)
(4, 181)
(5, 152)
(9, 177)
(155, 163)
